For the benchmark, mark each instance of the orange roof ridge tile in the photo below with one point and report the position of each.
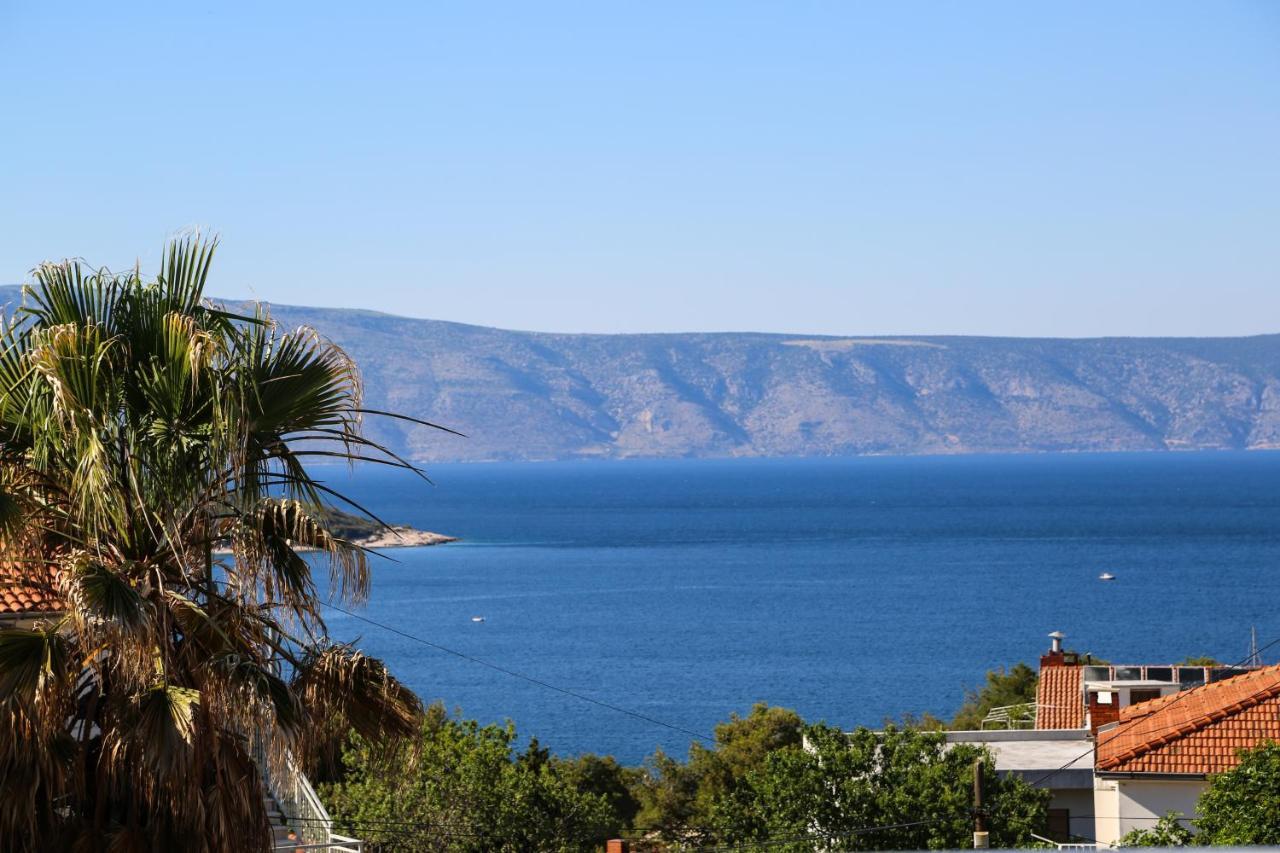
(1188, 715)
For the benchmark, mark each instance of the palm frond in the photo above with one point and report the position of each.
(141, 427)
(274, 532)
(98, 592)
(158, 731)
(31, 662)
(341, 684)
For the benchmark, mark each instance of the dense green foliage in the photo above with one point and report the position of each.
(1169, 831)
(464, 787)
(1242, 805)
(681, 797)
(1017, 686)
(899, 789)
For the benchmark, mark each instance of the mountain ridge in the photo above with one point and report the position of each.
(553, 395)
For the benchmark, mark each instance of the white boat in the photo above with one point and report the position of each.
(1106, 576)
(477, 618)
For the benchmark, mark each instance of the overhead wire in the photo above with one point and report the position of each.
(420, 827)
(1176, 698)
(827, 836)
(680, 729)
(523, 677)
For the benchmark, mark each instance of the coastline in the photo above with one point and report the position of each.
(401, 536)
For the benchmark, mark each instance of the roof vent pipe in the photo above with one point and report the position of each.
(1057, 637)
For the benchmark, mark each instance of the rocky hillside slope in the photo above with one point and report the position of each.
(521, 395)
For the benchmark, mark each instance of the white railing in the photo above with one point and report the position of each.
(337, 844)
(1021, 716)
(301, 807)
(1070, 845)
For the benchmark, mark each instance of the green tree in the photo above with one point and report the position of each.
(603, 775)
(894, 790)
(1242, 805)
(154, 480)
(1017, 686)
(463, 787)
(1169, 831)
(679, 798)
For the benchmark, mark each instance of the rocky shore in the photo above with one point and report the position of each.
(402, 537)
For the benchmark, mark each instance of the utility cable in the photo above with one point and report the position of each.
(529, 678)
(827, 836)
(1176, 698)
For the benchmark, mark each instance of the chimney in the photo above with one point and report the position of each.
(617, 845)
(1056, 656)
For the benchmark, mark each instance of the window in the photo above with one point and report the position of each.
(1059, 824)
(1097, 673)
(1159, 673)
(1128, 673)
(1136, 696)
(1190, 676)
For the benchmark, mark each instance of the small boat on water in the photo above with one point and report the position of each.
(1106, 576)
(477, 618)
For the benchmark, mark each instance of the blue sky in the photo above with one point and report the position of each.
(1072, 169)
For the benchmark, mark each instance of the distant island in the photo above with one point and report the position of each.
(538, 396)
(369, 534)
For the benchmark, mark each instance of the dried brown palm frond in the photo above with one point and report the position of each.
(153, 476)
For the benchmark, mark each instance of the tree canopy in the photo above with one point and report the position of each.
(1242, 806)
(464, 787)
(1171, 830)
(1016, 686)
(900, 789)
(154, 480)
(679, 798)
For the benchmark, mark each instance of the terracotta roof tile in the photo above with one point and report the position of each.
(1059, 700)
(1197, 731)
(18, 594)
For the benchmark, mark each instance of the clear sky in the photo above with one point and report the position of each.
(1078, 168)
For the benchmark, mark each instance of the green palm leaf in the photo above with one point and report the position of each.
(142, 429)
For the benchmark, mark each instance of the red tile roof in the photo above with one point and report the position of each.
(18, 594)
(1197, 731)
(1059, 700)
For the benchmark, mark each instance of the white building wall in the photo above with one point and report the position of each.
(1079, 803)
(1122, 805)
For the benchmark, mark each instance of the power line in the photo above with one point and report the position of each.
(829, 836)
(1176, 698)
(529, 678)
(420, 827)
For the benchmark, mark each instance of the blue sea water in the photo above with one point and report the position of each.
(849, 589)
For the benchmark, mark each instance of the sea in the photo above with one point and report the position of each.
(629, 606)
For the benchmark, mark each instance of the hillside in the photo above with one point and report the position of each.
(522, 395)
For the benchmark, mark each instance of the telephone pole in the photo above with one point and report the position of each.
(981, 840)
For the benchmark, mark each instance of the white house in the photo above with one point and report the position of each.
(1088, 716)
(1158, 755)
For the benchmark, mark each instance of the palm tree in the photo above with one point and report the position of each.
(154, 454)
